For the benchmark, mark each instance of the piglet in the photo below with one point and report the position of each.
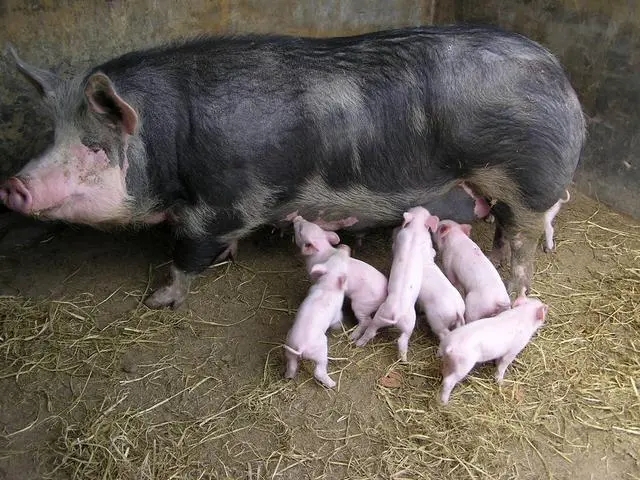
(466, 266)
(366, 288)
(321, 309)
(498, 338)
(440, 300)
(316, 244)
(548, 221)
(410, 246)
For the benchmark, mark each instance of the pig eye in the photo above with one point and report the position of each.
(307, 245)
(94, 147)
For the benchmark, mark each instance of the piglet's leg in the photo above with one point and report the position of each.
(322, 364)
(292, 364)
(336, 322)
(368, 334)
(406, 328)
(502, 365)
(453, 370)
(364, 319)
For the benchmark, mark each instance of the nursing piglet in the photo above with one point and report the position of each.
(321, 309)
(366, 286)
(498, 338)
(466, 266)
(410, 247)
(440, 300)
(316, 244)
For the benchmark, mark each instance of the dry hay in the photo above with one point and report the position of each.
(569, 401)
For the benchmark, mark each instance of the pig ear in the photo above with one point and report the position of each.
(333, 238)
(541, 313)
(318, 270)
(432, 223)
(103, 99)
(466, 229)
(309, 248)
(45, 81)
(443, 230)
(407, 218)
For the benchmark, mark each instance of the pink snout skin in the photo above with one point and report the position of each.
(14, 194)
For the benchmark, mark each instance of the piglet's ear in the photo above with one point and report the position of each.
(432, 223)
(309, 248)
(407, 218)
(541, 313)
(333, 238)
(104, 100)
(466, 229)
(318, 270)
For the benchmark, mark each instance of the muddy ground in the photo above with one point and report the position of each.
(95, 385)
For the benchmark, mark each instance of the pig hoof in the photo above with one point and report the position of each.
(174, 294)
(328, 383)
(165, 297)
(356, 334)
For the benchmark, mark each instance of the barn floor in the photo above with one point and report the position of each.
(96, 386)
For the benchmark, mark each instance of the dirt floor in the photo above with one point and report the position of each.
(97, 386)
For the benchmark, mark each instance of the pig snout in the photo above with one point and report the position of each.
(15, 195)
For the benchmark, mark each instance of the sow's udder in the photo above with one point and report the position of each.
(14, 194)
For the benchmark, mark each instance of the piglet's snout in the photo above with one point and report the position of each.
(14, 194)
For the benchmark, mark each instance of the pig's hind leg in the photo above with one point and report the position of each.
(336, 322)
(406, 326)
(292, 364)
(364, 320)
(454, 369)
(321, 359)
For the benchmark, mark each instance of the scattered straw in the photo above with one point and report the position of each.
(569, 400)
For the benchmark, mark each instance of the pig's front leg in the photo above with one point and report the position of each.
(174, 293)
(191, 256)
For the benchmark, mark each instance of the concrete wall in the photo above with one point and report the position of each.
(599, 44)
